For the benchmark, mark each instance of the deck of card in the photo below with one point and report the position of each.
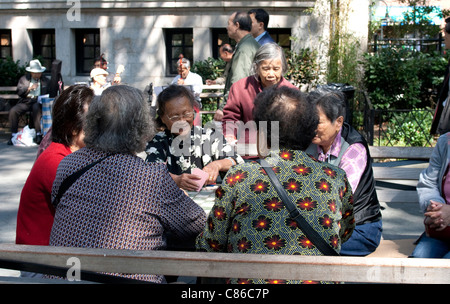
(202, 174)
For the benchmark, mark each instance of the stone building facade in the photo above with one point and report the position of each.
(147, 36)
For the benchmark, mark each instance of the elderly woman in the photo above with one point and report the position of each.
(268, 68)
(339, 144)
(121, 201)
(202, 148)
(249, 216)
(36, 213)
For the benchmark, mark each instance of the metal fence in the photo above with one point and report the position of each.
(386, 127)
(425, 45)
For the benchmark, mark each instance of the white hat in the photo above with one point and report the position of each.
(35, 67)
(98, 71)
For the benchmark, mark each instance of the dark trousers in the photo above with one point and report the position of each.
(22, 107)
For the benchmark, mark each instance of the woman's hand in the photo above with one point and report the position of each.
(186, 181)
(437, 215)
(212, 169)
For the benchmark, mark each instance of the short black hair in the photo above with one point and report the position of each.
(261, 16)
(291, 108)
(332, 102)
(68, 113)
(244, 20)
(447, 25)
(171, 92)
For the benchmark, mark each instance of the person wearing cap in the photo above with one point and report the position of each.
(29, 88)
(99, 82)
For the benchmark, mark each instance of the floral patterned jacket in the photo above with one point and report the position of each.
(183, 154)
(249, 217)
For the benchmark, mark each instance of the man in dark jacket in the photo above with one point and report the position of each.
(441, 119)
(260, 22)
(29, 88)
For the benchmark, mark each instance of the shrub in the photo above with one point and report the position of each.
(10, 71)
(402, 79)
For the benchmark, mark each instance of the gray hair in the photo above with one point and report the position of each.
(269, 51)
(186, 63)
(119, 121)
(332, 102)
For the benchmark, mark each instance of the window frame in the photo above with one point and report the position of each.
(170, 57)
(80, 47)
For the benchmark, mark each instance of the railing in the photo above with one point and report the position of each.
(392, 127)
(426, 45)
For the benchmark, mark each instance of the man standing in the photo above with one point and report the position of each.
(441, 119)
(226, 53)
(239, 29)
(260, 22)
(29, 88)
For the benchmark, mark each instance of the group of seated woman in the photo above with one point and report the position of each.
(121, 201)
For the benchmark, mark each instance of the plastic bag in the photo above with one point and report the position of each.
(24, 138)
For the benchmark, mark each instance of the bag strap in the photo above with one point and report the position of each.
(309, 231)
(69, 180)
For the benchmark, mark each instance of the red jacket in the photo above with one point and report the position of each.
(36, 213)
(239, 106)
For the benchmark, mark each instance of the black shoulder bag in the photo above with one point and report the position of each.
(69, 180)
(309, 231)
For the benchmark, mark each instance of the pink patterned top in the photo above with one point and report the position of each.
(353, 161)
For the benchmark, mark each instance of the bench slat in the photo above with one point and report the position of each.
(397, 196)
(202, 264)
(396, 173)
(400, 152)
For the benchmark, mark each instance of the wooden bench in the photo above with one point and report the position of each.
(388, 177)
(8, 93)
(224, 265)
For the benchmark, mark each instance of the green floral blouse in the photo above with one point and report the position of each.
(249, 217)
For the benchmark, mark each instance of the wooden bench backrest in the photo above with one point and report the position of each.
(224, 265)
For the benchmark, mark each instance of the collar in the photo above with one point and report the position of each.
(334, 150)
(260, 36)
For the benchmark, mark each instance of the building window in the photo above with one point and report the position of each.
(87, 44)
(178, 41)
(44, 46)
(220, 36)
(5, 44)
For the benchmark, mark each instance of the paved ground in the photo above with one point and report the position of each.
(400, 220)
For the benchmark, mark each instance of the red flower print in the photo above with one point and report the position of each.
(235, 178)
(292, 185)
(302, 170)
(334, 241)
(214, 245)
(332, 205)
(326, 221)
(286, 154)
(304, 242)
(210, 224)
(306, 204)
(347, 214)
(243, 209)
(341, 193)
(274, 242)
(259, 186)
(244, 245)
(219, 213)
(323, 186)
(291, 223)
(310, 282)
(275, 169)
(244, 281)
(330, 172)
(236, 226)
(262, 223)
(274, 281)
(220, 193)
(273, 204)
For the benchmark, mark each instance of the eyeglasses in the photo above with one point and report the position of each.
(186, 115)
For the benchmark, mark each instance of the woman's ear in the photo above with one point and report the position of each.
(340, 122)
